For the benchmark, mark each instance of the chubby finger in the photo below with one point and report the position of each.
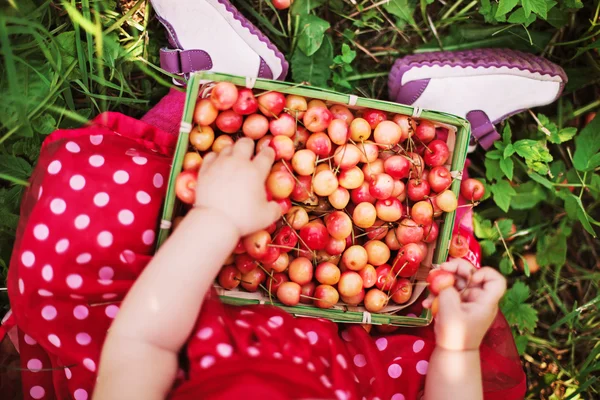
(208, 161)
(492, 283)
(428, 301)
(264, 161)
(227, 151)
(244, 148)
(449, 301)
(272, 213)
(459, 267)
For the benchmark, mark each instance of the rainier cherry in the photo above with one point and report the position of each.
(408, 260)
(399, 190)
(229, 277)
(325, 183)
(300, 270)
(385, 277)
(398, 167)
(409, 231)
(339, 224)
(326, 296)
(295, 105)
(374, 117)
(389, 210)
(375, 300)
(229, 122)
(283, 146)
(205, 112)
(381, 186)
(360, 130)
(252, 280)
(364, 215)
(391, 240)
(307, 291)
(289, 293)
(355, 258)
(303, 190)
(271, 104)
(320, 144)
(387, 132)
(338, 131)
(315, 235)
(301, 137)
(327, 273)
(446, 201)
(280, 184)
(354, 300)
(377, 252)
(439, 280)
(192, 160)
(297, 217)
(224, 95)
(274, 282)
(304, 161)
(316, 103)
(244, 263)
(362, 194)
(257, 243)
(350, 284)
(422, 213)
(317, 119)
(439, 179)
(246, 103)
(459, 246)
(284, 125)
(406, 124)
(286, 238)
(255, 126)
(339, 198)
(369, 152)
(335, 247)
(202, 137)
(347, 156)
(472, 189)
(430, 232)
(351, 178)
(436, 153)
(377, 231)
(425, 131)
(263, 143)
(401, 291)
(418, 189)
(372, 169)
(185, 186)
(368, 275)
(342, 112)
(272, 255)
(280, 264)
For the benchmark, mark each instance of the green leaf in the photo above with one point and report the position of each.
(494, 154)
(314, 69)
(502, 193)
(403, 9)
(537, 6)
(15, 166)
(551, 249)
(45, 124)
(348, 55)
(506, 134)
(483, 228)
(304, 7)
(505, 226)
(505, 6)
(573, 3)
(557, 18)
(564, 135)
(518, 17)
(587, 144)
(312, 32)
(521, 342)
(574, 207)
(507, 166)
(515, 308)
(506, 266)
(533, 150)
(509, 150)
(529, 194)
(488, 247)
(492, 170)
(66, 42)
(541, 180)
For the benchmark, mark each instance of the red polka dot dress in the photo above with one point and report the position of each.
(87, 230)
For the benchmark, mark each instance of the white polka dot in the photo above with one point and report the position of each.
(28, 258)
(21, 286)
(341, 394)
(80, 312)
(346, 336)
(312, 337)
(68, 373)
(58, 206)
(422, 367)
(82, 221)
(143, 197)
(242, 323)
(310, 366)
(140, 160)
(148, 237)
(105, 239)
(277, 355)
(132, 152)
(394, 371)
(111, 311)
(37, 392)
(44, 293)
(34, 365)
(80, 394)
(61, 246)
(246, 312)
(29, 340)
(207, 362)
(54, 167)
(109, 296)
(49, 313)
(73, 147)
(96, 160)
(324, 361)
(297, 360)
(83, 258)
(40, 192)
(158, 181)
(52, 338)
(77, 182)
(253, 351)
(275, 322)
(41, 232)
(83, 338)
(101, 199)
(325, 381)
(127, 256)
(381, 343)
(418, 346)
(89, 364)
(74, 281)
(120, 177)
(96, 139)
(205, 333)
(398, 396)
(106, 273)
(224, 350)
(411, 315)
(360, 360)
(125, 217)
(342, 361)
(300, 333)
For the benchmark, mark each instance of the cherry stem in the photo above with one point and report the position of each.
(317, 299)
(512, 260)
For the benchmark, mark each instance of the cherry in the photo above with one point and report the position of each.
(342, 112)
(284, 125)
(289, 293)
(205, 112)
(257, 243)
(315, 235)
(185, 186)
(326, 296)
(255, 126)
(389, 210)
(378, 230)
(425, 131)
(327, 273)
(408, 260)
(459, 246)
(369, 152)
(300, 270)
(439, 179)
(472, 189)
(271, 104)
(283, 146)
(418, 189)
(297, 217)
(436, 153)
(307, 292)
(350, 284)
(401, 291)
(375, 300)
(446, 201)
(320, 144)
(381, 186)
(531, 260)
(244, 263)
(439, 280)
(274, 282)
(351, 178)
(338, 131)
(202, 137)
(354, 300)
(295, 105)
(373, 169)
(430, 232)
(302, 189)
(317, 119)
(360, 130)
(409, 231)
(280, 184)
(391, 240)
(284, 205)
(286, 238)
(192, 160)
(246, 103)
(339, 225)
(229, 122)
(385, 277)
(347, 156)
(229, 277)
(301, 137)
(388, 133)
(280, 264)
(339, 198)
(335, 247)
(364, 215)
(374, 117)
(398, 167)
(368, 275)
(325, 182)
(224, 95)
(377, 252)
(422, 213)
(406, 124)
(252, 280)
(362, 194)
(355, 258)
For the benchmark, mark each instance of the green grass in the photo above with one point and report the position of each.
(65, 62)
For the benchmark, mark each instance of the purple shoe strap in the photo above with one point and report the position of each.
(181, 62)
(482, 129)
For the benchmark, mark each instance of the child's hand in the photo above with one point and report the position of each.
(464, 317)
(233, 184)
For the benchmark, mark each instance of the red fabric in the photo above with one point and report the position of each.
(67, 277)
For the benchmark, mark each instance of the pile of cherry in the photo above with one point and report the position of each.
(360, 194)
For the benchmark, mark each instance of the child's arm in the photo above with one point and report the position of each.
(139, 358)
(462, 322)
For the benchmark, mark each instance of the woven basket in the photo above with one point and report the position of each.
(458, 141)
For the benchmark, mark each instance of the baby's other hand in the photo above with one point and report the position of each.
(467, 310)
(232, 183)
